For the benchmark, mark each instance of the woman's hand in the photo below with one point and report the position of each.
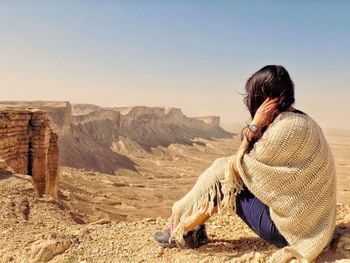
(265, 113)
(263, 117)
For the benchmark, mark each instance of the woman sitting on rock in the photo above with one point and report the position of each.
(281, 182)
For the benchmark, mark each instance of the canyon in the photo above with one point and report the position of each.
(93, 137)
(118, 172)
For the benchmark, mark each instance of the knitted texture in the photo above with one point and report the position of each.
(291, 169)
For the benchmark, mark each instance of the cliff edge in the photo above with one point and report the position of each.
(29, 146)
(97, 138)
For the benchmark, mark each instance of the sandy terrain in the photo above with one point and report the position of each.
(163, 177)
(37, 229)
(340, 144)
(111, 217)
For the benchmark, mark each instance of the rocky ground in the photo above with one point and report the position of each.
(112, 218)
(35, 229)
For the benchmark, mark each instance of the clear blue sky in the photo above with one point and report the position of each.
(195, 55)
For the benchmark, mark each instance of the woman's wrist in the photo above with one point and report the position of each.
(249, 133)
(256, 123)
(254, 129)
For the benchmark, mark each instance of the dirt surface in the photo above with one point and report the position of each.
(112, 218)
(35, 229)
(340, 145)
(162, 177)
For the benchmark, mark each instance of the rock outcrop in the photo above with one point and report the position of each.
(89, 146)
(82, 109)
(157, 126)
(29, 146)
(213, 121)
(89, 134)
(44, 250)
(59, 112)
(99, 137)
(101, 114)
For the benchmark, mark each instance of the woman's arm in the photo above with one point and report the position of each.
(262, 118)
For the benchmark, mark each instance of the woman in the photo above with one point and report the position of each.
(281, 181)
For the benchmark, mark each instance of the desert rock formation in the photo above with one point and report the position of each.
(59, 112)
(157, 126)
(159, 154)
(28, 146)
(214, 121)
(92, 137)
(98, 137)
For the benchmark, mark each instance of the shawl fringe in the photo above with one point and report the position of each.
(214, 191)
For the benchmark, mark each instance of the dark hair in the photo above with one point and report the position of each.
(272, 81)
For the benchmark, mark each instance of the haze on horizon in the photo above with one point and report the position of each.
(195, 55)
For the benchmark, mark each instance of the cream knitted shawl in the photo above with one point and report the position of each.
(291, 170)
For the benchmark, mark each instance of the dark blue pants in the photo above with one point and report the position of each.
(257, 216)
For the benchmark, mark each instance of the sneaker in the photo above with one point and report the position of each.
(164, 239)
(193, 239)
(201, 234)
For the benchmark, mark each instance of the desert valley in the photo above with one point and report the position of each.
(83, 183)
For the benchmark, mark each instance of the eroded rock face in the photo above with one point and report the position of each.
(104, 138)
(29, 146)
(102, 114)
(59, 112)
(213, 121)
(90, 135)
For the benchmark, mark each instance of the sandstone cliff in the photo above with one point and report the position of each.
(28, 146)
(214, 121)
(82, 109)
(59, 112)
(156, 126)
(98, 138)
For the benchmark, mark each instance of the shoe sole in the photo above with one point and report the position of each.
(165, 245)
(172, 245)
(187, 245)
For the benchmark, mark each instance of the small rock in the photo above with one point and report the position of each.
(101, 222)
(45, 250)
